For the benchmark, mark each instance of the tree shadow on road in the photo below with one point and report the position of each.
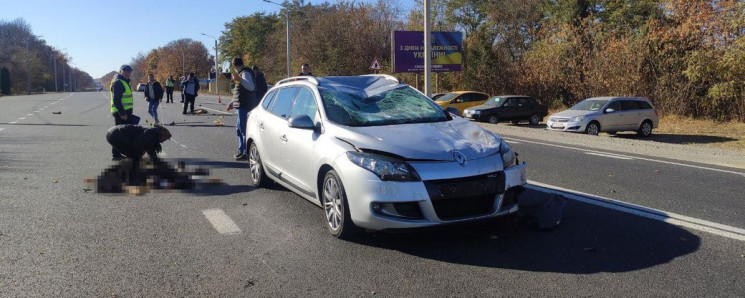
(589, 240)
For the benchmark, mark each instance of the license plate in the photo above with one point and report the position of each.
(557, 125)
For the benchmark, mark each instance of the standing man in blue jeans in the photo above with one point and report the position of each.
(244, 99)
(153, 96)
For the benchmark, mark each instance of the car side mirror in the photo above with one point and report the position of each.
(609, 110)
(302, 122)
(452, 111)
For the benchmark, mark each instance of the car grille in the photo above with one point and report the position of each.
(557, 119)
(465, 197)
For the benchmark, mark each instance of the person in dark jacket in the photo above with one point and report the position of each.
(153, 95)
(191, 90)
(244, 99)
(121, 102)
(169, 89)
(261, 86)
(133, 141)
(305, 70)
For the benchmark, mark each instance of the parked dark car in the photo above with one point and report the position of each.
(513, 108)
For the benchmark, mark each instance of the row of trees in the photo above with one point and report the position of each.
(687, 56)
(16, 42)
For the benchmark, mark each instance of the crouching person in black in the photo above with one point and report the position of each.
(133, 141)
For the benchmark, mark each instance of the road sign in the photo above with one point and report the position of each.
(375, 65)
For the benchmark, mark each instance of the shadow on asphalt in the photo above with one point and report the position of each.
(677, 139)
(210, 163)
(589, 240)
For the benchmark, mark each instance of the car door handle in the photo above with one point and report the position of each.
(283, 138)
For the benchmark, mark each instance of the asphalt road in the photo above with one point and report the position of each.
(58, 238)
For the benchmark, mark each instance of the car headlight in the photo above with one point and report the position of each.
(386, 168)
(577, 118)
(508, 155)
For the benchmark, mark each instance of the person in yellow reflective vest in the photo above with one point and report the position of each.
(169, 89)
(121, 102)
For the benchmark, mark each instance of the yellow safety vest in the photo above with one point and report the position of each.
(127, 101)
(169, 83)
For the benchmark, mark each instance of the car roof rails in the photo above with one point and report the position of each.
(386, 76)
(309, 79)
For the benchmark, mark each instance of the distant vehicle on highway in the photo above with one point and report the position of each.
(607, 114)
(513, 108)
(141, 87)
(377, 154)
(461, 100)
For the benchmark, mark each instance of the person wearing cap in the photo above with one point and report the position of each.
(121, 102)
(244, 99)
(133, 141)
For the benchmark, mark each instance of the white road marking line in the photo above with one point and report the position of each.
(221, 221)
(664, 216)
(22, 118)
(610, 155)
(36, 111)
(636, 157)
(1, 129)
(182, 145)
(53, 103)
(29, 114)
(14, 122)
(217, 111)
(511, 142)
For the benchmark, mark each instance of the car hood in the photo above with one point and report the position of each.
(573, 113)
(442, 103)
(481, 107)
(424, 141)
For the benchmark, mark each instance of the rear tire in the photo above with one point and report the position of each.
(258, 176)
(593, 128)
(335, 207)
(493, 119)
(645, 130)
(534, 120)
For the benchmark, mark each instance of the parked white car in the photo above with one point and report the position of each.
(377, 154)
(607, 114)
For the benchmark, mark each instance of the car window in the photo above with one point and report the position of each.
(616, 105)
(511, 102)
(478, 97)
(523, 102)
(305, 104)
(393, 106)
(268, 100)
(494, 101)
(283, 102)
(628, 105)
(464, 98)
(447, 97)
(589, 105)
(644, 105)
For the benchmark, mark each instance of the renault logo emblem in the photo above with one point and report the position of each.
(459, 157)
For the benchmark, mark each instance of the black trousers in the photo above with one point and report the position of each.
(118, 121)
(169, 94)
(123, 144)
(189, 102)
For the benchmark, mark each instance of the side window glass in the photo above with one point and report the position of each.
(463, 98)
(615, 105)
(524, 102)
(644, 105)
(510, 102)
(283, 103)
(305, 104)
(481, 97)
(268, 100)
(628, 105)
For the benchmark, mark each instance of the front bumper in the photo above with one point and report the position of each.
(572, 126)
(382, 205)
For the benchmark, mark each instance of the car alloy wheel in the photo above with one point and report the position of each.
(593, 129)
(493, 119)
(335, 207)
(534, 120)
(254, 165)
(646, 129)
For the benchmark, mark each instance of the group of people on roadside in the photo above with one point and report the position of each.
(130, 140)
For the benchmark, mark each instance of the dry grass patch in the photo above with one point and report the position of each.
(730, 135)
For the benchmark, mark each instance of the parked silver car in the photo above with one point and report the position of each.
(377, 154)
(607, 114)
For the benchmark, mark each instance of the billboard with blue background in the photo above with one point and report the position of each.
(408, 51)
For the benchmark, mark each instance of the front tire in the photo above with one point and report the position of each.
(534, 120)
(593, 128)
(493, 119)
(258, 176)
(645, 130)
(335, 207)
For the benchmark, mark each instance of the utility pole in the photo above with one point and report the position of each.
(217, 86)
(55, 72)
(287, 19)
(28, 71)
(427, 49)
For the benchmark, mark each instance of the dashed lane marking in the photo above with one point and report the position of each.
(610, 155)
(221, 221)
(22, 118)
(217, 111)
(29, 114)
(664, 216)
(1, 129)
(14, 122)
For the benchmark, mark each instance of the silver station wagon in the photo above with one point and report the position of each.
(607, 114)
(377, 154)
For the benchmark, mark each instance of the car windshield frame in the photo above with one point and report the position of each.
(495, 101)
(590, 105)
(398, 105)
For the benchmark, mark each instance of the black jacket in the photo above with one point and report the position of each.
(157, 88)
(261, 86)
(117, 89)
(133, 140)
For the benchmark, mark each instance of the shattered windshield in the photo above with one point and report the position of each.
(589, 105)
(494, 101)
(395, 106)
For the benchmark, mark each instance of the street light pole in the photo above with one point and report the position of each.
(217, 86)
(28, 71)
(287, 19)
(55, 72)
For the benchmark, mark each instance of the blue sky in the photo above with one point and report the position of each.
(102, 35)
